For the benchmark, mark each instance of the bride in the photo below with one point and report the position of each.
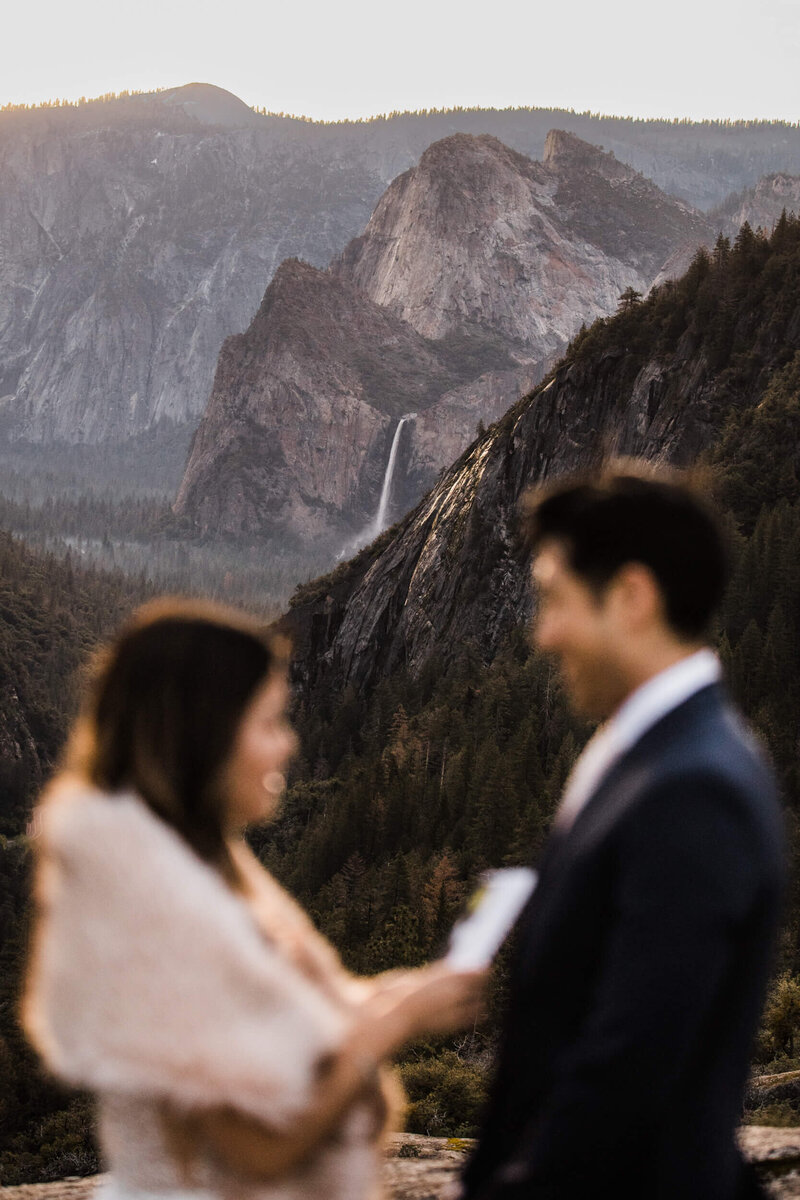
(230, 1051)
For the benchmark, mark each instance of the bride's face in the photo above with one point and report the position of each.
(252, 777)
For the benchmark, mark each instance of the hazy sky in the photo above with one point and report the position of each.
(697, 58)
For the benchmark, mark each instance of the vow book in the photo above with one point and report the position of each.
(493, 909)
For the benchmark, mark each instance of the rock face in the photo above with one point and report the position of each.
(129, 250)
(478, 235)
(761, 205)
(474, 271)
(454, 571)
(298, 430)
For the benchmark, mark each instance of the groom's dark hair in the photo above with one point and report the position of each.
(628, 512)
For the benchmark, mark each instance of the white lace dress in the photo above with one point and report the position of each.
(150, 981)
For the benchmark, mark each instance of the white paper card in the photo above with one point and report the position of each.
(494, 908)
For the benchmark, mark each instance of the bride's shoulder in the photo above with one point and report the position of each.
(79, 822)
(113, 848)
(73, 805)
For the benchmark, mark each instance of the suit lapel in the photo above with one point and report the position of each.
(617, 792)
(597, 816)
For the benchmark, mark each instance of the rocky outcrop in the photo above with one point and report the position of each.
(475, 269)
(759, 206)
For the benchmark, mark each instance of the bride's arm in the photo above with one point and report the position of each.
(400, 1007)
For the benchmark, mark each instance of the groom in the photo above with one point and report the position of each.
(642, 959)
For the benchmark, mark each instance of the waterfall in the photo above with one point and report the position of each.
(377, 524)
(383, 504)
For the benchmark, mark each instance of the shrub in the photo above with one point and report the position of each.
(445, 1095)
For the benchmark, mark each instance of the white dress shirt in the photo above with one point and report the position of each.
(643, 708)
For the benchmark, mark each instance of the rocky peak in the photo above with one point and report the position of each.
(299, 307)
(331, 332)
(565, 151)
(429, 250)
(473, 163)
(478, 235)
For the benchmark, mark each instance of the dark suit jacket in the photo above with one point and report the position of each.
(638, 977)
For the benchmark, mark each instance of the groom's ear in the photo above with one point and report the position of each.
(636, 597)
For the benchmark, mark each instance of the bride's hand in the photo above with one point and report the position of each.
(432, 999)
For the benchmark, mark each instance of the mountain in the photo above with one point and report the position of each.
(137, 232)
(702, 162)
(472, 274)
(205, 104)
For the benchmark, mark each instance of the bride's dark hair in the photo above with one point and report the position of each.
(162, 710)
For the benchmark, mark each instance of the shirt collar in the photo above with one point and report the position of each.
(660, 694)
(646, 706)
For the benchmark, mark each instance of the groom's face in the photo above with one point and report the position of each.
(582, 629)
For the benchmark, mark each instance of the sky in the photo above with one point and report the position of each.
(355, 58)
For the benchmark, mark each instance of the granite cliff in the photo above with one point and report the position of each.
(305, 404)
(480, 235)
(761, 205)
(134, 239)
(474, 271)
